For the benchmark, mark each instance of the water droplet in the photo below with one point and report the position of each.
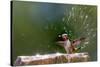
(66, 31)
(70, 31)
(81, 16)
(58, 54)
(75, 20)
(64, 28)
(94, 35)
(63, 19)
(92, 29)
(45, 56)
(86, 16)
(69, 34)
(70, 14)
(87, 30)
(88, 33)
(68, 18)
(86, 26)
(37, 55)
(72, 8)
(86, 42)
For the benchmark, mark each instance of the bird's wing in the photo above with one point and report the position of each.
(61, 43)
(76, 42)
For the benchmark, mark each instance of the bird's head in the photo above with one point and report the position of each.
(65, 36)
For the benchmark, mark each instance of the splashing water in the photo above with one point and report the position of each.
(83, 24)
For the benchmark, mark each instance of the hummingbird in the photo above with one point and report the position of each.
(70, 46)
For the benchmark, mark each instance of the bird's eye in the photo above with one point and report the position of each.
(73, 41)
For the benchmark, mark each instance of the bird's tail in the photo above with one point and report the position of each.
(77, 49)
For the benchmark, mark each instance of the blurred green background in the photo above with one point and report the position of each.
(36, 26)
